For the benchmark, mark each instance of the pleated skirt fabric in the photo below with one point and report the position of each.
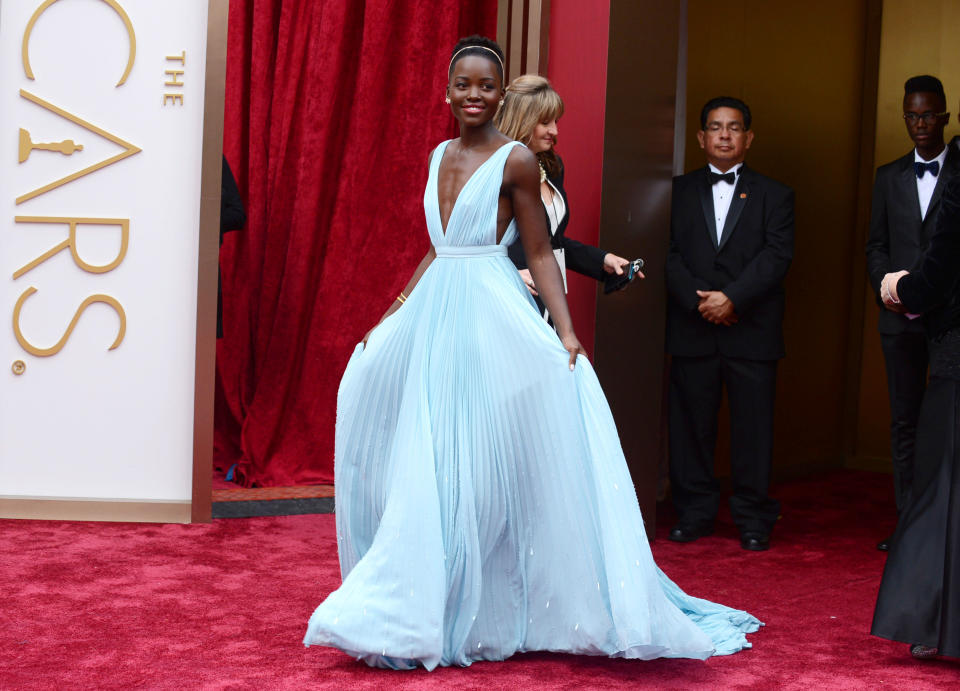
(483, 502)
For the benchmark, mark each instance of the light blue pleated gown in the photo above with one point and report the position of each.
(483, 503)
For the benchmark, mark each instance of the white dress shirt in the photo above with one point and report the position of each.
(926, 184)
(722, 196)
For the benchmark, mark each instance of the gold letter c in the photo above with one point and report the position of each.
(116, 8)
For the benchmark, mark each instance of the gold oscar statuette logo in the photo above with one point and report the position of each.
(18, 367)
(66, 147)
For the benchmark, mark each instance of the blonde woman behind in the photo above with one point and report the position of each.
(529, 114)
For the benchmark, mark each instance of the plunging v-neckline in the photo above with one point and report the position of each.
(443, 230)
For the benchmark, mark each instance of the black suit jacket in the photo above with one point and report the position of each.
(584, 259)
(748, 264)
(898, 237)
(933, 286)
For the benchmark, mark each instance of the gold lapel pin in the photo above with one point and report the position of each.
(743, 195)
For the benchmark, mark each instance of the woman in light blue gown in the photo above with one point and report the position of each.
(483, 502)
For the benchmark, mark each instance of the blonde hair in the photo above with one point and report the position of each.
(530, 100)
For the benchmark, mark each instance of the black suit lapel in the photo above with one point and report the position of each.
(706, 201)
(934, 200)
(741, 193)
(908, 182)
(948, 171)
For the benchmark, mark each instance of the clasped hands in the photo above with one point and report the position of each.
(716, 308)
(888, 292)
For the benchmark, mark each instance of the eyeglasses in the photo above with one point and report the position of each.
(733, 127)
(927, 117)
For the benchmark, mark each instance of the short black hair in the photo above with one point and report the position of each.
(725, 102)
(480, 46)
(924, 83)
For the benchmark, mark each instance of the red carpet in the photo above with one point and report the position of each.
(223, 490)
(221, 606)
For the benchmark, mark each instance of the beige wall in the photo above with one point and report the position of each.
(800, 67)
(916, 38)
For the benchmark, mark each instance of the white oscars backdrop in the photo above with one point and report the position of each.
(101, 124)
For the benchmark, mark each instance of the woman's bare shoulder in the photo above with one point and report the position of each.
(521, 163)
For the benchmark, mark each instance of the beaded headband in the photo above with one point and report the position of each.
(499, 61)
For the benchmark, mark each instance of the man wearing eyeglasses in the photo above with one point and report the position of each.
(906, 197)
(731, 243)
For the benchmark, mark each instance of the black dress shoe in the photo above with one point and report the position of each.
(755, 542)
(923, 652)
(686, 533)
(884, 544)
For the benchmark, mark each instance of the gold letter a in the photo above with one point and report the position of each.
(129, 149)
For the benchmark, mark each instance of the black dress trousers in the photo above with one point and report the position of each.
(696, 385)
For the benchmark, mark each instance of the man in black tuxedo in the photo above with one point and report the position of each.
(731, 243)
(906, 197)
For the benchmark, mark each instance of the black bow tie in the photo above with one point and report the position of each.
(730, 177)
(921, 168)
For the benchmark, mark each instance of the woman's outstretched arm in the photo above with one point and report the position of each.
(411, 284)
(936, 277)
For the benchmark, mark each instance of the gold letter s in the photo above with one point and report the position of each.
(58, 346)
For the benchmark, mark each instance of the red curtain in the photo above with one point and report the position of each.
(332, 107)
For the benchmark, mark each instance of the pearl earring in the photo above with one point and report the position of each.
(447, 99)
(501, 101)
